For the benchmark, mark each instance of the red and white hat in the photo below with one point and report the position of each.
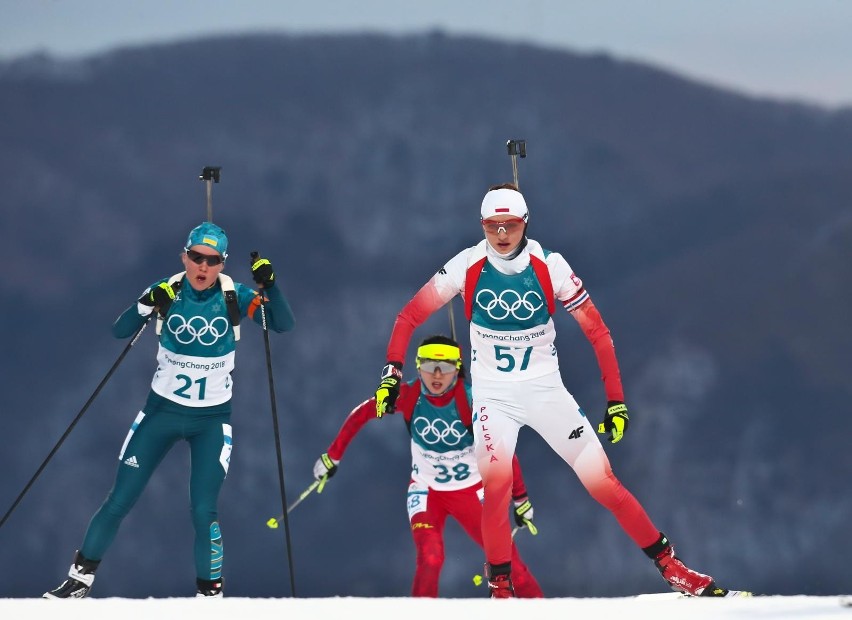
(507, 202)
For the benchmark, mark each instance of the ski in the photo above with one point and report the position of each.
(738, 594)
(656, 596)
(674, 595)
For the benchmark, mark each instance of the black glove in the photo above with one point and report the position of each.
(388, 390)
(261, 271)
(325, 467)
(523, 514)
(160, 296)
(523, 511)
(615, 421)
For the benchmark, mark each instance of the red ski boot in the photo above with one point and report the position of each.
(500, 586)
(499, 580)
(679, 577)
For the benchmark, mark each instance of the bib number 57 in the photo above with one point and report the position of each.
(507, 358)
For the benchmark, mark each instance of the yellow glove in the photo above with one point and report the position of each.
(615, 421)
(388, 389)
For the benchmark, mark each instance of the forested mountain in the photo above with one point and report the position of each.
(712, 229)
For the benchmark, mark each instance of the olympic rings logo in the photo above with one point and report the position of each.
(198, 328)
(437, 431)
(509, 302)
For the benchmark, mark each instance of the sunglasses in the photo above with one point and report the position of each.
(211, 259)
(509, 226)
(431, 366)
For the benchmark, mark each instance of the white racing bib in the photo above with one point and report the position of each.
(416, 499)
(193, 381)
(513, 356)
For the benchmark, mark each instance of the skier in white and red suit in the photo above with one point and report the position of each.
(510, 285)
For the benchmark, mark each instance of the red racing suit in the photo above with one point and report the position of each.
(445, 480)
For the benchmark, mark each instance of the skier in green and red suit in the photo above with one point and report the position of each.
(445, 480)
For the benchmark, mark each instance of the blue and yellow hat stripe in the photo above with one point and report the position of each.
(207, 233)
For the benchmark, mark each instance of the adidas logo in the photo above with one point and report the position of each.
(132, 462)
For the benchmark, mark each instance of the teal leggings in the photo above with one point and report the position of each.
(148, 441)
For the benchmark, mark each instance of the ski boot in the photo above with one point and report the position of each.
(209, 588)
(677, 575)
(500, 580)
(81, 575)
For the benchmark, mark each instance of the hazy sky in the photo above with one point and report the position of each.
(799, 49)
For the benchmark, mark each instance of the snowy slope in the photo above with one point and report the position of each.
(651, 608)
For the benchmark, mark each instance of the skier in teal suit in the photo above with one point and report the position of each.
(198, 316)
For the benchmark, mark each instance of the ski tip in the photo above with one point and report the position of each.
(717, 592)
(272, 523)
(739, 594)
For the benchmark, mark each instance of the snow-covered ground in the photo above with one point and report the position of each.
(650, 607)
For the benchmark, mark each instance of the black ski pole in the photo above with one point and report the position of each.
(77, 418)
(254, 257)
(210, 175)
(516, 148)
(452, 319)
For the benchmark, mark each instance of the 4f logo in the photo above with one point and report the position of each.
(575, 434)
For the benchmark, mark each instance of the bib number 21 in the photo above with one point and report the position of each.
(187, 384)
